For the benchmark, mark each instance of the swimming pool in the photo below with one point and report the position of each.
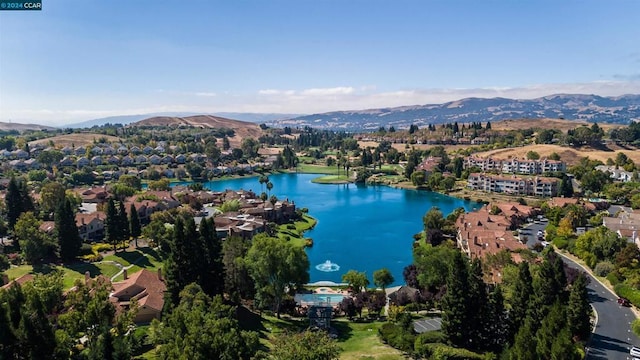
(317, 299)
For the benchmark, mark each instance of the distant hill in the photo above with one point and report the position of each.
(589, 108)
(243, 129)
(128, 119)
(4, 126)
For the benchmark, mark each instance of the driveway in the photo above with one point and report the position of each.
(424, 325)
(612, 337)
(529, 233)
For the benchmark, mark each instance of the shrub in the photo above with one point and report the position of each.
(613, 278)
(396, 337)
(430, 337)
(444, 352)
(291, 226)
(603, 268)
(86, 249)
(100, 247)
(561, 242)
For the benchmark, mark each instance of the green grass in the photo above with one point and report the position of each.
(361, 341)
(142, 258)
(296, 235)
(70, 273)
(319, 169)
(331, 179)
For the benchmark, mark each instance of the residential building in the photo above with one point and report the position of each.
(147, 288)
(515, 185)
(91, 226)
(617, 174)
(515, 165)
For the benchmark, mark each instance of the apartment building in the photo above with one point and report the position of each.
(515, 165)
(515, 185)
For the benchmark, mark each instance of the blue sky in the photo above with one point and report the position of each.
(82, 59)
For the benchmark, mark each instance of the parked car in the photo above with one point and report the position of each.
(634, 351)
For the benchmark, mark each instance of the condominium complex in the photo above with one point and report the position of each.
(516, 185)
(515, 165)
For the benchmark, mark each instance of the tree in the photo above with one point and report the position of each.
(134, 223)
(17, 201)
(524, 346)
(433, 219)
(383, 278)
(356, 280)
(237, 281)
(51, 195)
(34, 243)
(111, 223)
(309, 345)
(456, 304)
(522, 292)
(566, 187)
(532, 155)
(276, 265)
(550, 327)
(123, 223)
(269, 186)
(578, 309)
(200, 328)
(213, 272)
(66, 231)
(250, 147)
(418, 178)
(458, 167)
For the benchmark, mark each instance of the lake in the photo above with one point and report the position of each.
(360, 227)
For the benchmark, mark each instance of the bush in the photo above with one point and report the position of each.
(561, 242)
(444, 352)
(613, 278)
(100, 247)
(430, 337)
(86, 249)
(603, 268)
(396, 337)
(628, 292)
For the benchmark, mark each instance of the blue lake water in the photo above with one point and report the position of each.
(360, 227)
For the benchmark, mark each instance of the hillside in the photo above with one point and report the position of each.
(79, 139)
(589, 108)
(557, 124)
(570, 155)
(5, 126)
(242, 129)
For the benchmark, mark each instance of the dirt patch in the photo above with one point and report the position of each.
(569, 155)
(557, 124)
(82, 139)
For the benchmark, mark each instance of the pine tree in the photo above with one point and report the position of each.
(479, 315)
(497, 326)
(455, 303)
(123, 222)
(523, 289)
(551, 325)
(134, 223)
(213, 274)
(67, 235)
(524, 346)
(579, 310)
(111, 223)
(12, 203)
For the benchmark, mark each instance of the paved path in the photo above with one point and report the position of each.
(612, 336)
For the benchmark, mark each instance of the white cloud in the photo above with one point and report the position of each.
(206, 94)
(341, 90)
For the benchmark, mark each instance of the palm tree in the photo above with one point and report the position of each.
(269, 186)
(263, 180)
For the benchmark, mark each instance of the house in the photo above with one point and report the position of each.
(20, 281)
(135, 150)
(617, 174)
(113, 160)
(94, 195)
(18, 165)
(167, 159)
(67, 150)
(181, 158)
(91, 226)
(141, 159)
(96, 150)
(155, 159)
(127, 161)
(82, 162)
(80, 151)
(108, 150)
(67, 161)
(147, 150)
(96, 160)
(147, 288)
(122, 150)
(20, 154)
(429, 165)
(32, 164)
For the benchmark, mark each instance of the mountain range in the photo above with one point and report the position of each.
(590, 108)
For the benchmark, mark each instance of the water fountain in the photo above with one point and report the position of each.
(328, 266)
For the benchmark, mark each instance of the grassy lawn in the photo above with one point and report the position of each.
(318, 169)
(144, 258)
(296, 234)
(331, 179)
(70, 273)
(361, 341)
(357, 340)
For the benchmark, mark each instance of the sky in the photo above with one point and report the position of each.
(84, 59)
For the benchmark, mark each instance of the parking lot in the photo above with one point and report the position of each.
(529, 232)
(424, 325)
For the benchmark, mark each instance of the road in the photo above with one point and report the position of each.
(612, 337)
